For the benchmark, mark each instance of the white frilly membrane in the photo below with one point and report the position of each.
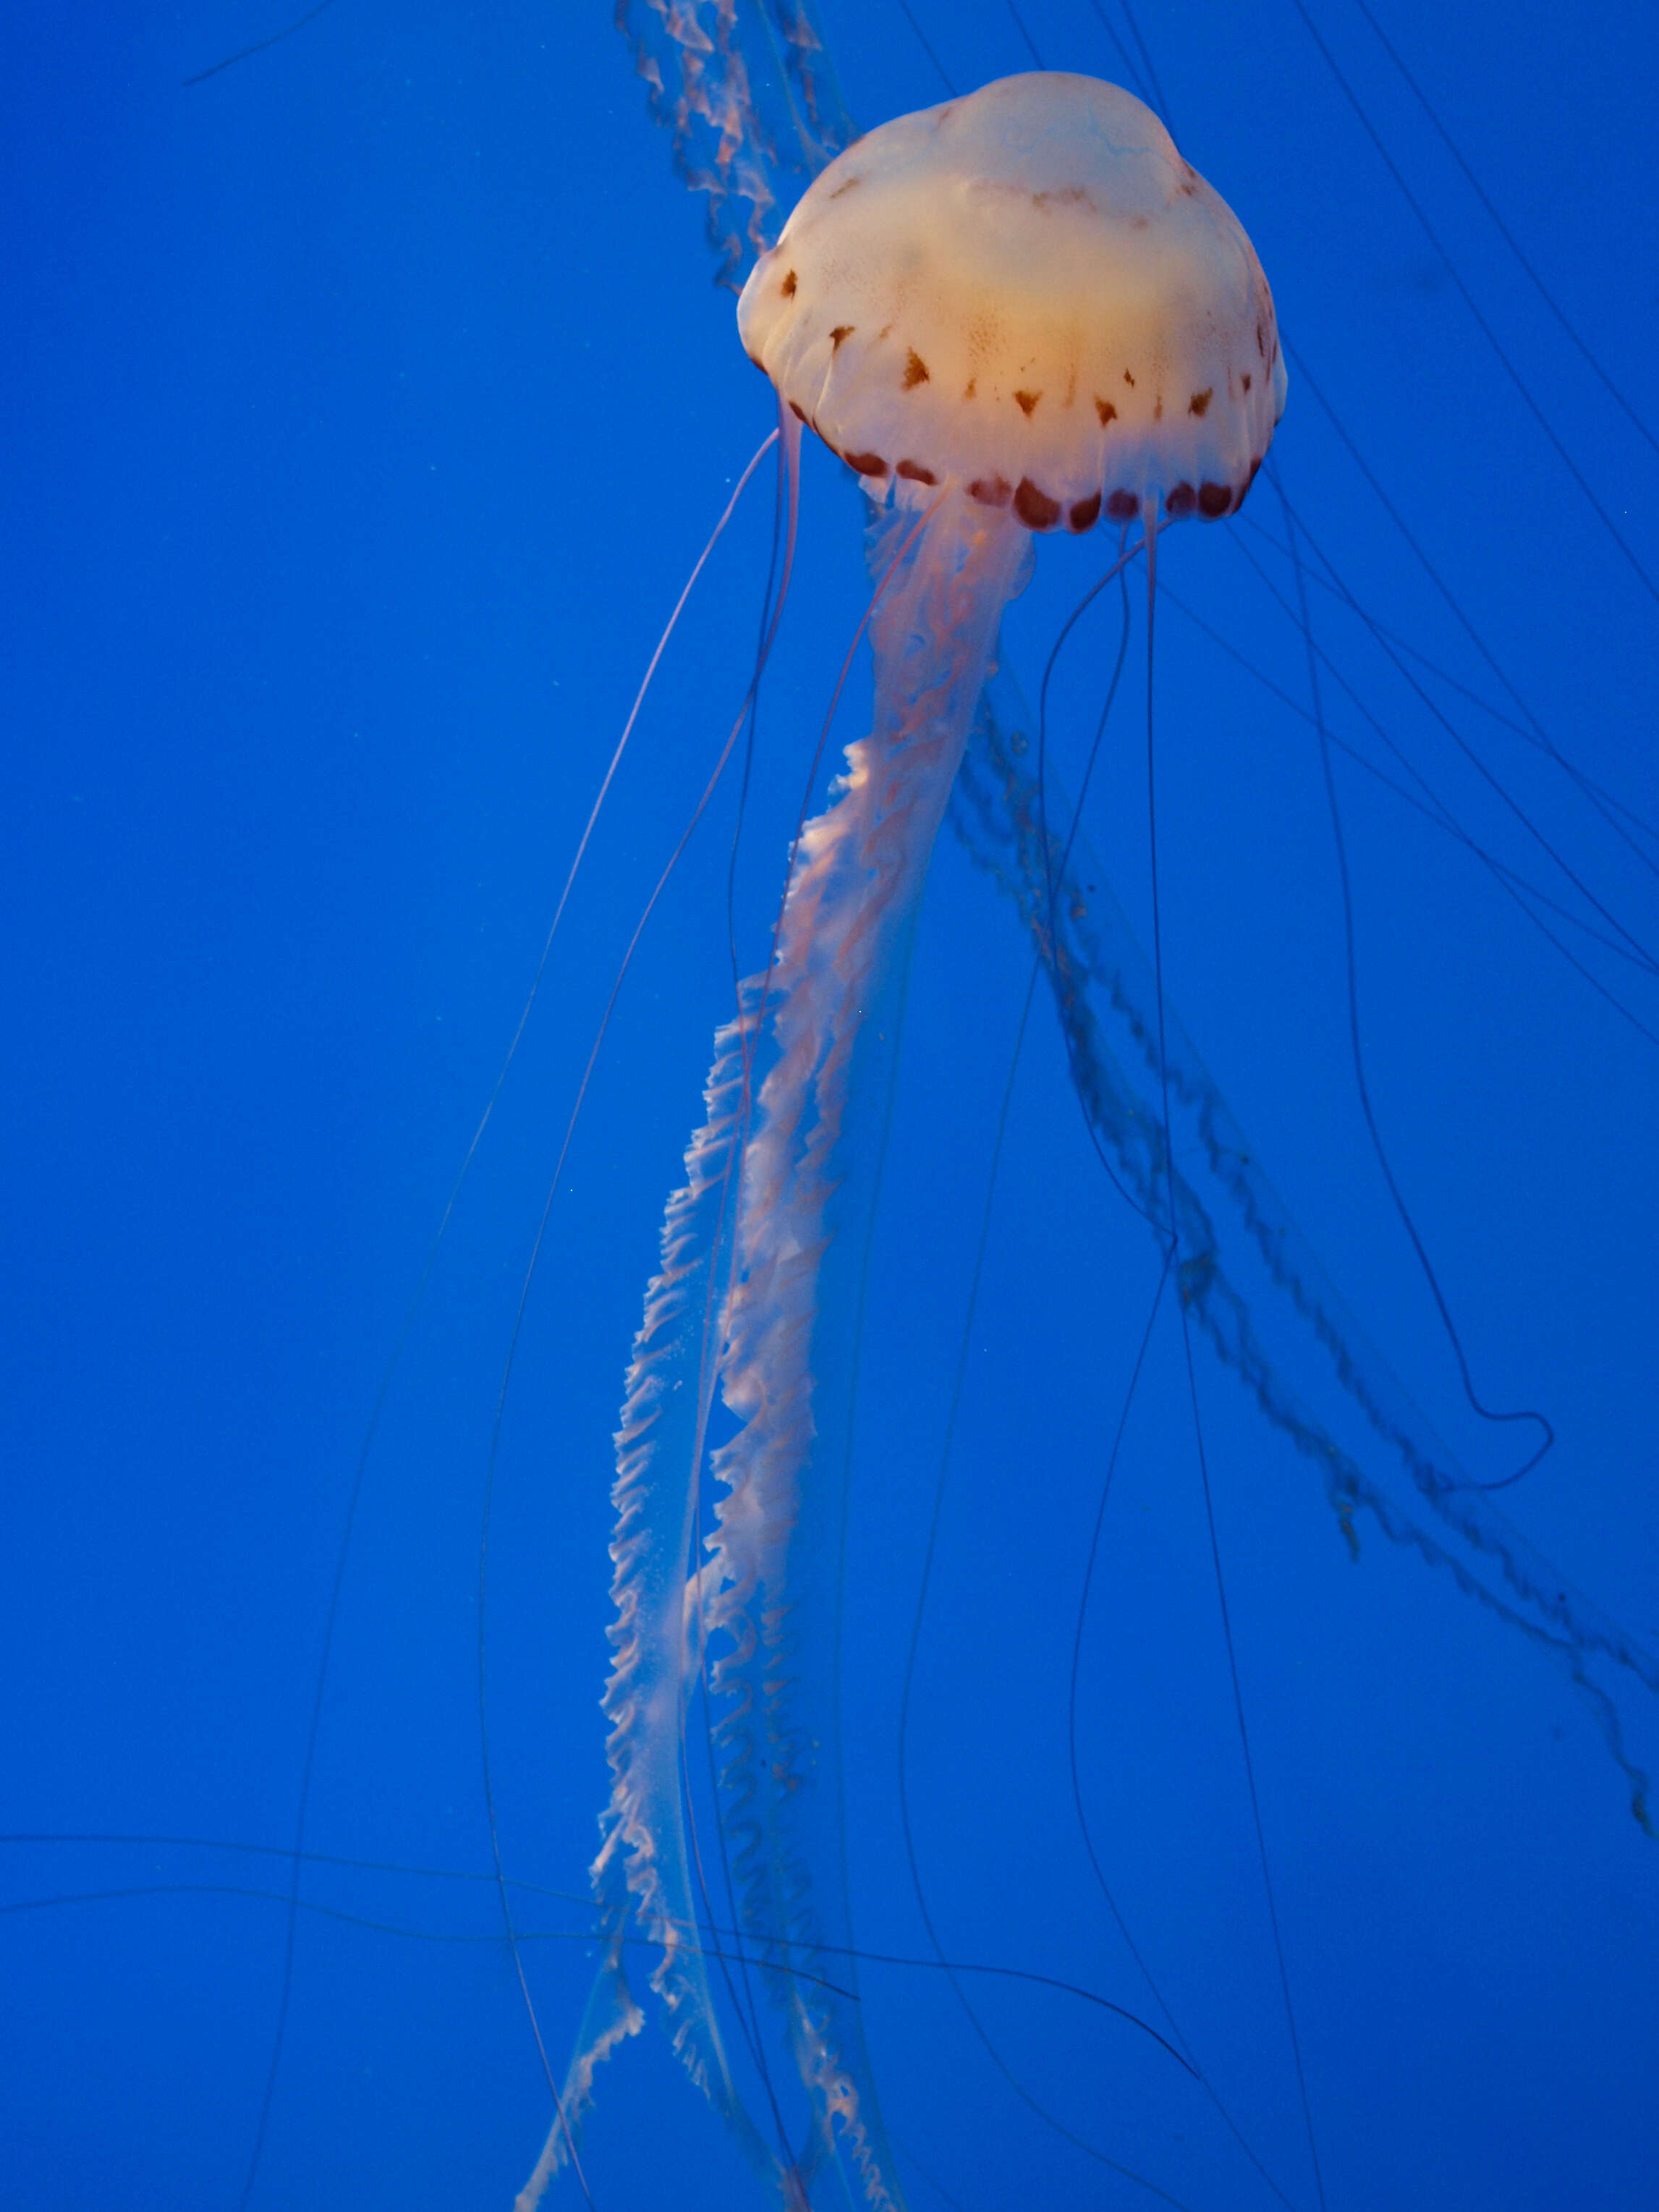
(741, 1305)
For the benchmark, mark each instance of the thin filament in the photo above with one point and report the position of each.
(1192, 1377)
(1486, 1412)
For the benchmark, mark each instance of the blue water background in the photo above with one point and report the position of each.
(368, 404)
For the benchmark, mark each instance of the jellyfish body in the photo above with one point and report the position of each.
(1012, 312)
(1029, 293)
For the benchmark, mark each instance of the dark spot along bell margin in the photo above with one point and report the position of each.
(1033, 506)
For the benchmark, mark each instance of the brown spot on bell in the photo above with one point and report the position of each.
(1035, 508)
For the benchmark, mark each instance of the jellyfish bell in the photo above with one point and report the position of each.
(1028, 294)
(1008, 313)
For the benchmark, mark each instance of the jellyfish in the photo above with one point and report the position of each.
(1515, 1890)
(1013, 315)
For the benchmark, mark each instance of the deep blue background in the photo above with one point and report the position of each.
(366, 406)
